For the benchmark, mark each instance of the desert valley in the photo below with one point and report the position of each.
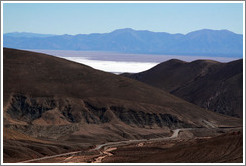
(57, 110)
(120, 82)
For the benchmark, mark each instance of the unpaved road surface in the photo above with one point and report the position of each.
(110, 144)
(49, 157)
(107, 145)
(224, 147)
(106, 153)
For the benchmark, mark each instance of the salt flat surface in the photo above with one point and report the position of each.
(120, 62)
(114, 66)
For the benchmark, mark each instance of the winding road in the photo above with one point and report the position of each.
(108, 145)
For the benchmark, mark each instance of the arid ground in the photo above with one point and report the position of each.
(55, 110)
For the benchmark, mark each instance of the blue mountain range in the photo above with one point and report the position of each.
(206, 42)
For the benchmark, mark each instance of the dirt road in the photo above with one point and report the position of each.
(110, 144)
(49, 157)
(107, 145)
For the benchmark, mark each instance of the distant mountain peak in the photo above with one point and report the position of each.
(124, 29)
(207, 31)
(205, 42)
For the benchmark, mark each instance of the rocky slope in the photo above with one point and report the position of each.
(46, 97)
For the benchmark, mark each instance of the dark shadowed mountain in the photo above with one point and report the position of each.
(37, 86)
(209, 84)
(52, 105)
(202, 42)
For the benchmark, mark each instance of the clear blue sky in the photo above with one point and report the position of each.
(81, 18)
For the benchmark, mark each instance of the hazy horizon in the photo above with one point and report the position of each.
(123, 63)
(121, 29)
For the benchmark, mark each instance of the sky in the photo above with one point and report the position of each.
(86, 18)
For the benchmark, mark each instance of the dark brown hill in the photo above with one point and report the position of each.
(52, 98)
(38, 87)
(212, 85)
(225, 148)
